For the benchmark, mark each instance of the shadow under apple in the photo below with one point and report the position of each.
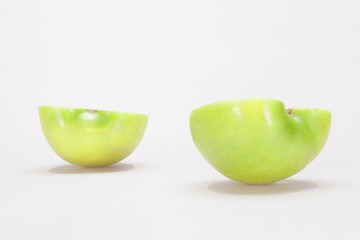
(282, 187)
(73, 169)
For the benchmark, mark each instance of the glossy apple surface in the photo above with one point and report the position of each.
(91, 138)
(258, 141)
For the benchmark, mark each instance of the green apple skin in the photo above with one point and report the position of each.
(258, 141)
(91, 138)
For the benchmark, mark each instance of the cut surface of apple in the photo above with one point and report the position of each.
(258, 141)
(91, 138)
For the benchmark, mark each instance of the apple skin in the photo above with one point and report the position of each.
(91, 138)
(258, 141)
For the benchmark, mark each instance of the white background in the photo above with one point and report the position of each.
(165, 58)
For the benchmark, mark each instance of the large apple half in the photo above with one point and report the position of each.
(258, 141)
(91, 138)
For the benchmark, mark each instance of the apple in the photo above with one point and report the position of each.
(258, 141)
(91, 138)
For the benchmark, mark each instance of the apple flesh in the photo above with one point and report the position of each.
(258, 141)
(91, 138)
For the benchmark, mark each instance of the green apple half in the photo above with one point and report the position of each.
(258, 141)
(91, 138)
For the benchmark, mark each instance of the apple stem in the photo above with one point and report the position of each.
(290, 111)
(91, 111)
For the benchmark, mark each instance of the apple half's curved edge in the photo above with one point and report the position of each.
(290, 111)
(91, 110)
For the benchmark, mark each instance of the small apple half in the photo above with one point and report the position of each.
(91, 138)
(258, 141)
